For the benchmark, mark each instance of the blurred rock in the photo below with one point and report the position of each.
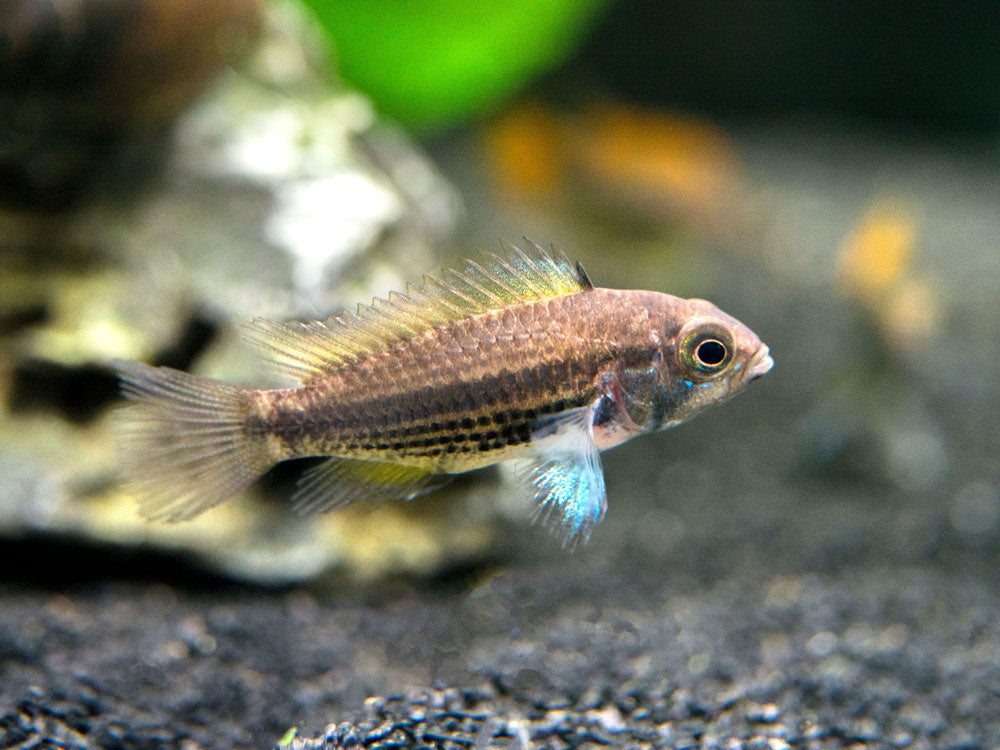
(90, 88)
(277, 197)
(975, 509)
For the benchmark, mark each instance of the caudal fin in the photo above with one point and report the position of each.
(182, 443)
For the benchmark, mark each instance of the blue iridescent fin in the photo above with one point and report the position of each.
(565, 475)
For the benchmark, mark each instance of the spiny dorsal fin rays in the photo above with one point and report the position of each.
(294, 348)
(418, 304)
(348, 329)
(553, 268)
(390, 326)
(401, 306)
(541, 267)
(517, 269)
(307, 350)
(451, 297)
(491, 280)
(479, 294)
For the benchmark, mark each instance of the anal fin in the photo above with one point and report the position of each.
(341, 481)
(564, 475)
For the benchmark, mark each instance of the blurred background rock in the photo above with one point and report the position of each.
(827, 172)
(170, 171)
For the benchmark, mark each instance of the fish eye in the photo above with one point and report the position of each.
(711, 353)
(707, 349)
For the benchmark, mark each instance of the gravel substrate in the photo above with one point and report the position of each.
(865, 657)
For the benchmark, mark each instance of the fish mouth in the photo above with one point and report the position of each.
(761, 363)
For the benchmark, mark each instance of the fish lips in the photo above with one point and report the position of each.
(761, 364)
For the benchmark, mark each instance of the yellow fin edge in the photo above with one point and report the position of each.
(306, 350)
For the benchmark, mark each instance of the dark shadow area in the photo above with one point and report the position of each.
(14, 320)
(78, 393)
(54, 564)
(929, 67)
(81, 392)
(197, 334)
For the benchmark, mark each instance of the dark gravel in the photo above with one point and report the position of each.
(874, 655)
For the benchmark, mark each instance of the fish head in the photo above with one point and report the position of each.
(707, 356)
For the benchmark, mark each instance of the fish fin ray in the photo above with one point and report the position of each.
(306, 351)
(564, 475)
(182, 446)
(338, 482)
(302, 351)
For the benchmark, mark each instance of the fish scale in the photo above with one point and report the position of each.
(494, 370)
(517, 359)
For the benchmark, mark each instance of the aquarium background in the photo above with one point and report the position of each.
(813, 564)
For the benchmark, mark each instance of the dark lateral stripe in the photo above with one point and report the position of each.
(511, 434)
(559, 385)
(547, 382)
(292, 427)
(369, 418)
(467, 428)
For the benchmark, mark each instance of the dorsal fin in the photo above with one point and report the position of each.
(308, 350)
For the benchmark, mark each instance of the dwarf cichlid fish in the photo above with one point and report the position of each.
(519, 358)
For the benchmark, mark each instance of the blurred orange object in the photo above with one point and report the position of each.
(659, 166)
(878, 252)
(648, 158)
(875, 267)
(527, 149)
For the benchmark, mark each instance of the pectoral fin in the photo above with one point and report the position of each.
(564, 475)
(339, 481)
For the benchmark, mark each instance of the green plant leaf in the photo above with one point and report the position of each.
(432, 63)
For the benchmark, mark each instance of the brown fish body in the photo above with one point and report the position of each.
(466, 395)
(522, 361)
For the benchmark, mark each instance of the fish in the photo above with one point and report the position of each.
(518, 359)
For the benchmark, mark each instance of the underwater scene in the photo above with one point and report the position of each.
(526, 375)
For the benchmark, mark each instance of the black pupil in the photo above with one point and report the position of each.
(710, 352)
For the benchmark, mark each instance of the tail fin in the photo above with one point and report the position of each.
(183, 446)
